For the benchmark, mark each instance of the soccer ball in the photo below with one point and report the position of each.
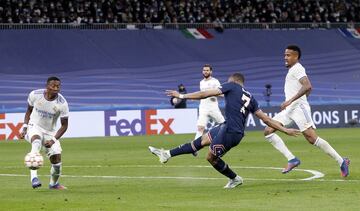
(33, 160)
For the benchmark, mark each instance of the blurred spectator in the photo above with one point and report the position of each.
(178, 11)
(176, 102)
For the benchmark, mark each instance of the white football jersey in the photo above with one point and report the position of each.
(46, 113)
(207, 84)
(293, 85)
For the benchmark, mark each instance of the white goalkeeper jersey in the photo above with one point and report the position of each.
(46, 113)
(293, 85)
(210, 102)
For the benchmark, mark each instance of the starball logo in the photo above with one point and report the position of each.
(144, 122)
(14, 128)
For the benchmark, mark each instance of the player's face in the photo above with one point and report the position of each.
(206, 72)
(53, 87)
(291, 58)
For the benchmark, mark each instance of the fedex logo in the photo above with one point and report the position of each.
(144, 122)
(9, 130)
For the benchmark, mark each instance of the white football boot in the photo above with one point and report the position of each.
(234, 182)
(163, 155)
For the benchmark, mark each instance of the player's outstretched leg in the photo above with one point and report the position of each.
(291, 165)
(164, 155)
(344, 168)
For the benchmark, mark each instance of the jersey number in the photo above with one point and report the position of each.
(246, 104)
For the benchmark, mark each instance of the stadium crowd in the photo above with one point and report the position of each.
(178, 11)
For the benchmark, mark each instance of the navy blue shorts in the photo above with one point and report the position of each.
(222, 140)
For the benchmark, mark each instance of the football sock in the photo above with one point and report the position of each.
(224, 169)
(55, 172)
(187, 148)
(33, 174)
(278, 143)
(36, 146)
(326, 147)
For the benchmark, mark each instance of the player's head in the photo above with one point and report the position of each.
(53, 85)
(292, 55)
(237, 78)
(207, 71)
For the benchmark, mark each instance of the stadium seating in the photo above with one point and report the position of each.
(107, 69)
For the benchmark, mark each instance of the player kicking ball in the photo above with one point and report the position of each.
(238, 104)
(45, 107)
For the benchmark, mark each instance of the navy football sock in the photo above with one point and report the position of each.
(187, 148)
(224, 169)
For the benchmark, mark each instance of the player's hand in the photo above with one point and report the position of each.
(23, 133)
(285, 104)
(293, 132)
(49, 143)
(172, 93)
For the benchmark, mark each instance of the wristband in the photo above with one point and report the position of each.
(181, 96)
(25, 125)
(54, 139)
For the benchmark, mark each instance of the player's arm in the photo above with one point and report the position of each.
(64, 125)
(26, 121)
(194, 95)
(305, 89)
(274, 124)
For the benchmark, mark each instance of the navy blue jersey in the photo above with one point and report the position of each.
(238, 104)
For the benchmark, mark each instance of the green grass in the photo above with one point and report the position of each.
(187, 183)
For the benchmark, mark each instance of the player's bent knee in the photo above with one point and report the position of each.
(54, 159)
(268, 131)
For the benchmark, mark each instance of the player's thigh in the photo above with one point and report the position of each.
(203, 118)
(55, 149)
(301, 115)
(33, 131)
(283, 117)
(223, 141)
(217, 116)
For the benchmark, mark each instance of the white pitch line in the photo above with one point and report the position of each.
(316, 174)
(178, 178)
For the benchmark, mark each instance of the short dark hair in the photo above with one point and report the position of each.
(295, 48)
(209, 66)
(238, 77)
(52, 78)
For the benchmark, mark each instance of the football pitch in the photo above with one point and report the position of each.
(119, 173)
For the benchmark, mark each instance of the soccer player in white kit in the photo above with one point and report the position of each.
(209, 107)
(45, 107)
(297, 109)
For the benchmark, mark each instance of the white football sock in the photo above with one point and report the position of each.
(326, 147)
(33, 174)
(55, 173)
(279, 144)
(36, 146)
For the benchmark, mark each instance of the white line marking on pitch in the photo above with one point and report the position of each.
(316, 174)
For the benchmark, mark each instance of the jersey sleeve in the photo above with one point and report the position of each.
(64, 110)
(31, 98)
(226, 87)
(299, 73)
(217, 84)
(254, 105)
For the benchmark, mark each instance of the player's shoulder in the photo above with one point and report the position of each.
(61, 99)
(298, 67)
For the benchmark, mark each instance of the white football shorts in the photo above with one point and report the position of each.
(206, 114)
(300, 114)
(44, 136)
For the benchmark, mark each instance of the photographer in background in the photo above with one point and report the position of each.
(179, 103)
